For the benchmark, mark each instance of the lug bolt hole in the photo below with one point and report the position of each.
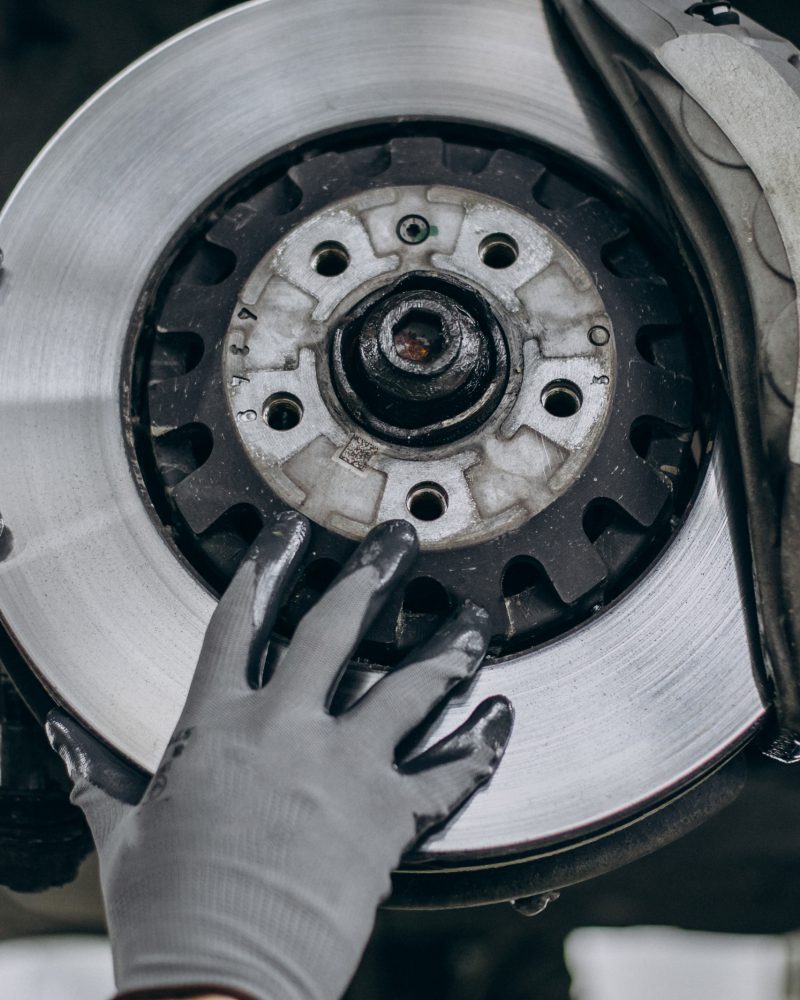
(330, 259)
(562, 399)
(283, 411)
(427, 502)
(498, 251)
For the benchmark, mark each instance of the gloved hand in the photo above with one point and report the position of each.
(253, 861)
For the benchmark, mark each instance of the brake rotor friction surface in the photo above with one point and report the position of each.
(555, 509)
(612, 718)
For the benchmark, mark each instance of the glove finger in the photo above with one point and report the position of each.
(450, 772)
(239, 630)
(407, 696)
(104, 786)
(329, 634)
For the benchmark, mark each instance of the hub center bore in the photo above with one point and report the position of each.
(418, 338)
(421, 362)
(423, 340)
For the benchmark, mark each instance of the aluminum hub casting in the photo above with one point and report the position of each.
(280, 360)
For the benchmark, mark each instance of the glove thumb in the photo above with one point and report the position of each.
(103, 786)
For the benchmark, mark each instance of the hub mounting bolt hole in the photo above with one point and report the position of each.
(330, 259)
(599, 336)
(562, 399)
(498, 251)
(427, 502)
(283, 411)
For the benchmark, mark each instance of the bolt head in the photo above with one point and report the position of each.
(413, 229)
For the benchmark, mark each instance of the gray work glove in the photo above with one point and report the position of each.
(253, 861)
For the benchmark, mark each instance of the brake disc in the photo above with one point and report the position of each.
(209, 271)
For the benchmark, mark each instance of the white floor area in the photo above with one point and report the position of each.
(636, 963)
(56, 968)
(663, 963)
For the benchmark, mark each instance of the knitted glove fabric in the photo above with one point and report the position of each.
(253, 861)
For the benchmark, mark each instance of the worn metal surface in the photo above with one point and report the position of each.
(609, 717)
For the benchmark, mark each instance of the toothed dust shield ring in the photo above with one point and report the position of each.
(216, 262)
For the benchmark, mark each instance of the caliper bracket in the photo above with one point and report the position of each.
(714, 101)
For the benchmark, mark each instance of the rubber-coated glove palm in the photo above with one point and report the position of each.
(254, 860)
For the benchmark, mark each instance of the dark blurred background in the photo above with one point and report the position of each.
(740, 873)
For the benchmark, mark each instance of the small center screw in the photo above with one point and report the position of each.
(413, 229)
